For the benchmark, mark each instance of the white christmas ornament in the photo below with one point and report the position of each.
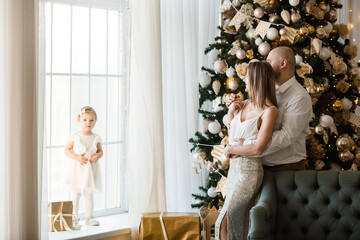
(233, 84)
(220, 66)
(294, 3)
(211, 192)
(205, 125)
(213, 54)
(272, 33)
(328, 27)
(214, 127)
(236, 3)
(258, 41)
(324, 53)
(326, 121)
(204, 80)
(259, 12)
(225, 119)
(347, 103)
(298, 59)
(250, 33)
(264, 48)
(240, 54)
(285, 15)
(230, 72)
(282, 32)
(216, 85)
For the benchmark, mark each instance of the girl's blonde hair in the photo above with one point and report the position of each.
(86, 109)
(261, 83)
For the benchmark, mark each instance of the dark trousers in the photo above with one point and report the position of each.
(299, 166)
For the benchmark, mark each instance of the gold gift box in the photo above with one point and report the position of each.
(60, 216)
(178, 226)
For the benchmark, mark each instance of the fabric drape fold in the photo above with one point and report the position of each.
(145, 160)
(19, 116)
(187, 28)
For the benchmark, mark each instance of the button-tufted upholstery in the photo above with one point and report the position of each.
(307, 205)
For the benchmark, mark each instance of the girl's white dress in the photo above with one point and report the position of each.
(84, 177)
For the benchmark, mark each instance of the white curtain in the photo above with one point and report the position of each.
(19, 205)
(19, 88)
(349, 14)
(187, 28)
(146, 181)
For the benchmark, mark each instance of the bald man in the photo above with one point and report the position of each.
(287, 149)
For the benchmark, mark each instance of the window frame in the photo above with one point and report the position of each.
(121, 6)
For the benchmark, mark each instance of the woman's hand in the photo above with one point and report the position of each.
(81, 159)
(226, 152)
(233, 103)
(94, 157)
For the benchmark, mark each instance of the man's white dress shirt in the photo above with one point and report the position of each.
(291, 127)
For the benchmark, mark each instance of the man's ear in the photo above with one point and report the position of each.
(283, 63)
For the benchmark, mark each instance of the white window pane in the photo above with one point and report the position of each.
(113, 43)
(48, 17)
(122, 32)
(98, 102)
(60, 111)
(80, 40)
(61, 38)
(79, 98)
(48, 108)
(99, 197)
(113, 109)
(57, 175)
(112, 184)
(98, 41)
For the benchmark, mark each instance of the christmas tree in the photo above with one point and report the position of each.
(324, 66)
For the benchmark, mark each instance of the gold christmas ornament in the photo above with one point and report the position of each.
(342, 86)
(295, 17)
(250, 54)
(204, 211)
(304, 31)
(273, 18)
(311, 29)
(320, 130)
(342, 143)
(227, 95)
(318, 164)
(345, 156)
(337, 105)
(326, 137)
(324, 6)
(332, 15)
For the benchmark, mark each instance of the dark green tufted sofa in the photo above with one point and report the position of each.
(307, 205)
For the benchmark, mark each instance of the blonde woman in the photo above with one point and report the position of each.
(250, 119)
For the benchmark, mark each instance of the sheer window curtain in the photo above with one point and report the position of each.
(349, 14)
(19, 115)
(146, 182)
(187, 27)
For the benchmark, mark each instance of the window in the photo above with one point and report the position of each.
(87, 52)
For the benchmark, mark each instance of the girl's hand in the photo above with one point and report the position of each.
(94, 157)
(81, 159)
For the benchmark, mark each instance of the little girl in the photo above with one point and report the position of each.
(84, 149)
